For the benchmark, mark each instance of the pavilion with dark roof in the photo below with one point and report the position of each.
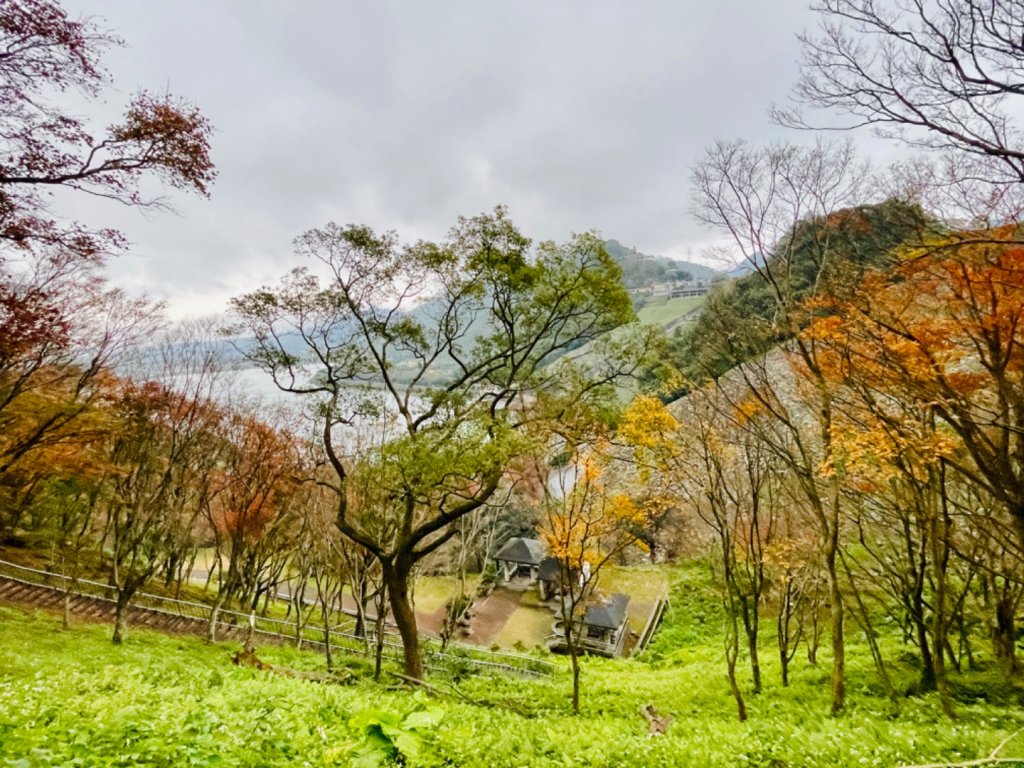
(549, 578)
(606, 617)
(518, 560)
(603, 627)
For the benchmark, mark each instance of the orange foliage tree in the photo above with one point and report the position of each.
(58, 322)
(43, 145)
(252, 513)
(932, 355)
(945, 331)
(589, 518)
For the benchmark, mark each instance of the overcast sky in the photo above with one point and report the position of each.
(404, 115)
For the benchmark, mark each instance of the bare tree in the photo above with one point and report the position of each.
(759, 198)
(252, 518)
(943, 75)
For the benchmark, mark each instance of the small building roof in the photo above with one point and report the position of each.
(607, 614)
(523, 551)
(549, 568)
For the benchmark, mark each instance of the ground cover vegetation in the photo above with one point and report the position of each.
(836, 455)
(68, 696)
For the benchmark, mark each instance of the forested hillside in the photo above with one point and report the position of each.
(823, 257)
(640, 270)
(516, 503)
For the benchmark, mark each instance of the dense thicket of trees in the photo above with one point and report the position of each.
(888, 428)
(874, 354)
(61, 326)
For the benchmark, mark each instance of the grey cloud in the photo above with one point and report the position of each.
(404, 115)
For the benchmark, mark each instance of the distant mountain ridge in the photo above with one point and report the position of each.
(640, 269)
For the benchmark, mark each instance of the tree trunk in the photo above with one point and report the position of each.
(927, 682)
(382, 613)
(298, 598)
(838, 638)
(940, 560)
(784, 635)
(784, 663)
(327, 633)
(862, 615)
(121, 619)
(211, 629)
(732, 652)
(1004, 634)
(361, 599)
(751, 626)
(397, 576)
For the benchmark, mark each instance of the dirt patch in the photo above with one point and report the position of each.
(528, 627)
(491, 614)
(432, 622)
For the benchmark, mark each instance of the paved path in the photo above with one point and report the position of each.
(491, 614)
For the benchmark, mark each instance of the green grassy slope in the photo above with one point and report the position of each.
(70, 698)
(663, 311)
(659, 311)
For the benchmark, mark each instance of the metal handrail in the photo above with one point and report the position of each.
(456, 653)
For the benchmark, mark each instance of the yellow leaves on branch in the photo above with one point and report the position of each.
(938, 339)
(747, 410)
(592, 521)
(647, 424)
(569, 539)
(871, 454)
(621, 508)
(590, 471)
(787, 555)
(966, 297)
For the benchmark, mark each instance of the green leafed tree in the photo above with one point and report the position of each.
(454, 348)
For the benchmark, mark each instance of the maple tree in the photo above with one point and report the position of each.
(932, 351)
(44, 53)
(731, 481)
(944, 331)
(53, 377)
(60, 325)
(252, 511)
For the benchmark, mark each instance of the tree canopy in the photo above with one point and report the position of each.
(455, 347)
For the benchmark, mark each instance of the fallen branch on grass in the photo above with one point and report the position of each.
(454, 689)
(992, 758)
(658, 724)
